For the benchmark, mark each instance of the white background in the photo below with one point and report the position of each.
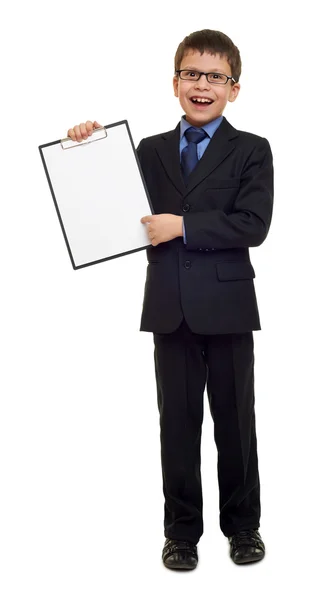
(81, 503)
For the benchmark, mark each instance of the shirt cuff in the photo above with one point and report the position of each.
(184, 232)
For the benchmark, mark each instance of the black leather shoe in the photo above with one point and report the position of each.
(246, 546)
(179, 554)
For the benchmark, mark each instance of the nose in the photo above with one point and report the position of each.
(202, 81)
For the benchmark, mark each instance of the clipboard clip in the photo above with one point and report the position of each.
(98, 134)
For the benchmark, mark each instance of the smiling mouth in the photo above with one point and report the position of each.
(201, 105)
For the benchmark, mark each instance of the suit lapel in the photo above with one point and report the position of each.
(219, 147)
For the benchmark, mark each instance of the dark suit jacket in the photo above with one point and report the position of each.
(227, 208)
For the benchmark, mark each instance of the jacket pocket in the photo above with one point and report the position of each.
(231, 270)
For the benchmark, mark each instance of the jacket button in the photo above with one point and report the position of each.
(186, 207)
(187, 264)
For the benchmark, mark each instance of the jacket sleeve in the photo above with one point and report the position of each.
(248, 223)
(139, 151)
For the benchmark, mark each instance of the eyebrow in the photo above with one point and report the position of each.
(212, 71)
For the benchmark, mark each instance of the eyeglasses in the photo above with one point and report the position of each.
(216, 78)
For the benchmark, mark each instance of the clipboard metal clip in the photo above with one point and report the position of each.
(98, 134)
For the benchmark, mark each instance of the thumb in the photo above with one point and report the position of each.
(145, 219)
(96, 125)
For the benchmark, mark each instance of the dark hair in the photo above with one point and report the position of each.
(213, 42)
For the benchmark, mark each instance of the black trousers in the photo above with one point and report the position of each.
(184, 363)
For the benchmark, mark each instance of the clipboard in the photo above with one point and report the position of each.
(99, 193)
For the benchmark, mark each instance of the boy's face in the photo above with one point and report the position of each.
(200, 114)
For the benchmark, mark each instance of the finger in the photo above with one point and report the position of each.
(77, 133)
(83, 131)
(96, 125)
(145, 219)
(71, 134)
(89, 127)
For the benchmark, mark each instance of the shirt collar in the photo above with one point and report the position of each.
(210, 127)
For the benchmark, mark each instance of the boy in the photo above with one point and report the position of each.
(212, 191)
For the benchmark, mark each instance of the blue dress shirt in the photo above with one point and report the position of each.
(210, 129)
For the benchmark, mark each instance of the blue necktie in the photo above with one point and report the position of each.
(189, 156)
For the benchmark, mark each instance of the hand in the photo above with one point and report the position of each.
(163, 228)
(82, 131)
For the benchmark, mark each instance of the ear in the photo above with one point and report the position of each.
(175, 85)
(234, 92)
